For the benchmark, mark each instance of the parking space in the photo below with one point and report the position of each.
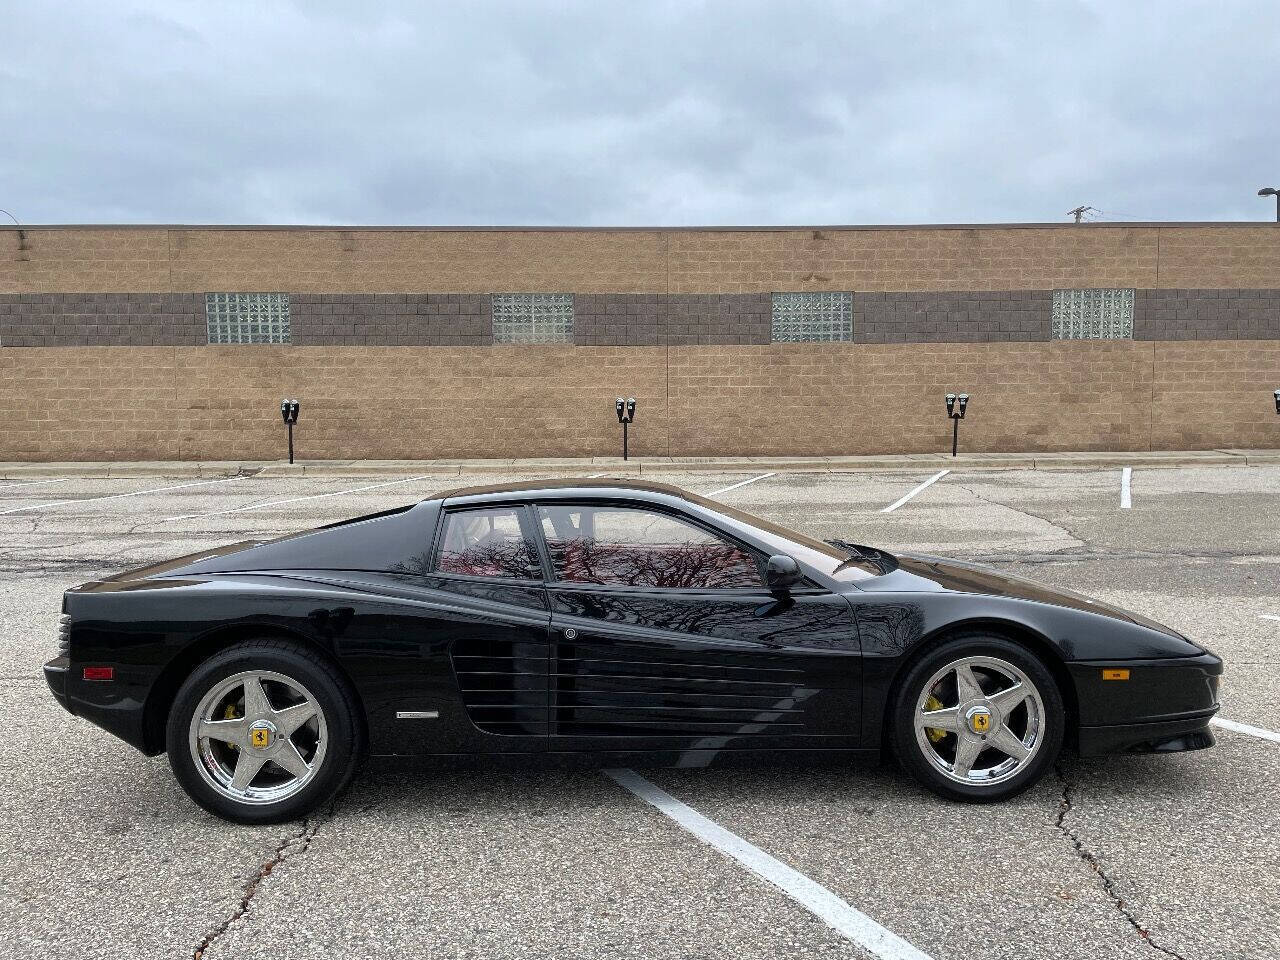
(1119, 857)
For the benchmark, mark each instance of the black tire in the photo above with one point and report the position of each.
(911, 755)
(334, 698)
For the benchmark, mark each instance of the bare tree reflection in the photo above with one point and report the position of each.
(689, 565)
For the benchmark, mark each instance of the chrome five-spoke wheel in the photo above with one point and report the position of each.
(979, 720)
(258, 737)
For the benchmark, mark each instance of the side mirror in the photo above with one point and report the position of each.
(781, 573)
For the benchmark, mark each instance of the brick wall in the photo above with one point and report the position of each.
(317, 260)
(924, 317)
(102, 341)
(1206, 314)
(425, 319)
(222, 402)
(624, 319)
(101, 319)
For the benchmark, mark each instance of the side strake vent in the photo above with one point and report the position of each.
(636, 690)
(503, 683)
(64, 635)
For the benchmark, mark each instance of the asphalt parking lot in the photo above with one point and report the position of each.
(102, 855)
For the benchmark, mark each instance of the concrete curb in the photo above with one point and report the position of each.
(639, 466)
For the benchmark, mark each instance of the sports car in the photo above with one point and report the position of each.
(618, 619)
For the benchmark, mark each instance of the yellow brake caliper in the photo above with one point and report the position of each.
(230, 714)
(933, 733)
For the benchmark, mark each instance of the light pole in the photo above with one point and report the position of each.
(1272, 192)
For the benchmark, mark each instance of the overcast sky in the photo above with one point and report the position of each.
(662, 113)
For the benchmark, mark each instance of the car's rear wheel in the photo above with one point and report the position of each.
(263, 732)
(978, 718)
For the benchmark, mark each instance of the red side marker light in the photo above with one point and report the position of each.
(99, 673)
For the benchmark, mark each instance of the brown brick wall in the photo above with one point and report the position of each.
(840, 399)
(510, 401)
(374, 261)
(988, 258)
(392, 352)
(197, 260)
(1205, 392)
(222, 402)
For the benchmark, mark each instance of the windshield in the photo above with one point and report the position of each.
(835, 562)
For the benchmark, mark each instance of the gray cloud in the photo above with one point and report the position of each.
(636, 113)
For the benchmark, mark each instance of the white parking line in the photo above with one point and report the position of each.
(1268, 616)
(594, 476)
(735, 486)
(1126, 475)
(932, 480)
(817, 899)
(1244, 728)
(6, 484)
(277, 503)
(117, 496)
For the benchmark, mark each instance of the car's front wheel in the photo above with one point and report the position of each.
(263, 732)
(978, 718)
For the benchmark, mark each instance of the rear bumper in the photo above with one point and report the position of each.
(56, 672)
(111, 706)
(1167, 736)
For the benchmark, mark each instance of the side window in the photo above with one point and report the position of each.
(487, 543)
(641, 548)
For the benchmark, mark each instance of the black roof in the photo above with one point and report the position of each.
(588, 486)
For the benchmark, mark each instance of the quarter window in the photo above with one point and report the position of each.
(1093, 314)
(641, 548)
(798, 317)
(487, 543)
(247, 317)
(533, 318)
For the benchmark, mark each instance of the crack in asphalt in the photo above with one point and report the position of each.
(1081, 541)
(295, 844)
(1065, 806)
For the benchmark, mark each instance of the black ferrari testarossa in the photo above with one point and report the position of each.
(599, 616)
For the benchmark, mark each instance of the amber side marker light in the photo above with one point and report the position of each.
(99, 673)
(1115, 674)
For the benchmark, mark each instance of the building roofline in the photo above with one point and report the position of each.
(790, 228)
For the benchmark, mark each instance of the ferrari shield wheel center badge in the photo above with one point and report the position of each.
(262, 735)
(979, 719)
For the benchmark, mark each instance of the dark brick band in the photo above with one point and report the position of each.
(652, 319)
(102, 319)
(963, 317)
(390, 319)
(447, 319)
(1206, 315)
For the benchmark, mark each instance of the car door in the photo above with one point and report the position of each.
(488, 559)
(663, 636)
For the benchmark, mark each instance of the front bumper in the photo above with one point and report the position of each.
(56, 672)
(1161, 706)
(1167, 736)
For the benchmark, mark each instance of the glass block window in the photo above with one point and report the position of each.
(1093, 314)
(533, 318)
(247, 317)
(812, 316)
